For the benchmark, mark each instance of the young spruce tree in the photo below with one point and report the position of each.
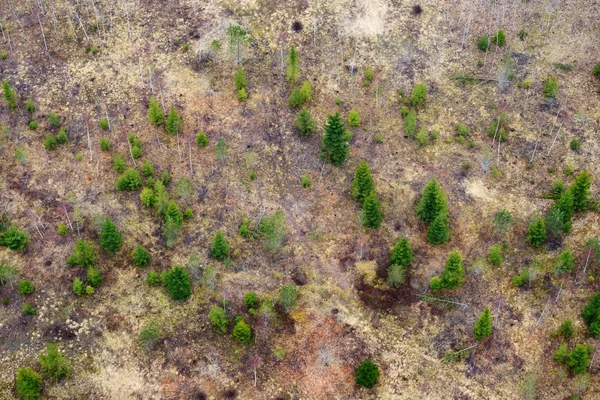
(335, 146)
(372, 216)
(401, 253)
(219, 248)
(110, 237)
(483, 326)
(439, 231)
(581, 190)
(155, 113)
(454, 272)
(432, 202)
(293, 70)
(174, 122)
(362, 185)
(178, 283)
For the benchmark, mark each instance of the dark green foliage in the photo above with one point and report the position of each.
(396, 276)
(33, 126)
(305, 124)
(119, 164)
(575, 144)
(369, 75)
(483, 42)
(188, 213)
(566, 329)
(522, 278)
(273, 230)
(596, 70)
(84, 254)
(522, 34)
(150, 335)
(29, 384)
(153, 278)
(242, 95)
(296, 98)
(432, 202)
(495, 255)
(201, 139)
(371, 217)
(565, 206)
(156, 115)
(147, 197)
(362, 185)
(591, 315)
(292, 74)
(110, 238)
(61, 137)
(104, 123)
(483, 326)
(418, 95)
(10, 95)
(551, 88)
(148, 169)
(367, 374)
(53, 365)
(54, 120)
(244, 230)
(78, 287)
(130, 180)
(454, 272)
(50, 142)
(461, 130)
(178, 283)
(536, 233)
(25, 287)
(141, 257)
(240, 80)
(410, 124)
(94, 277)
(218, 319)
(353, 118)
(554, 222)
(502, 220)
(14, 238)
(174, 122)
(288, 296)
(28, 309)
(561, 354)
(439, 231)
(219, 248)
(30, 106)
(581, 190)
(335, 148)
(499, 37)
(579, 359)
(499, 127)
(305, 181)
(251, 300)
(242, 332)
(401, 253)
(565, 262)
(62, 229)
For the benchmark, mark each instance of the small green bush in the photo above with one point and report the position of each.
(30, 106)
(551, 88)
(251, 300)
(201, 139)
(141, 257)
(242, 332)
(147, 197)
(561, 354)
(296, 98)
(61, 137)
(219, 248)
(367, 374)
(522, 34)
(78, 287)
(147, 169)
(288, 296)
(565, 262)
(244, 230)
(25, 287)
(89, 290)
(119, 164)
(499, 37)
(410, 124)
(306, 91)
(422, 136)
(240, 79)
(136, 152)
(401, 253)
(305, 181)
(566, 329)
(396, 276)
(53, 365)
(495, 255)
(84, 254)
(218, 319)
(54, 120)
(14, 238)
(178, 283)
(522, 278)
(596, 70)
(94, 277)
(156, 116)
(418, 95)
(150, 335)
(104, 123)
(242, 95)
(483, 43)
(29, 384)
(153, 278)
(28, 309)
(305, 124)
(62, 229)
(33, 126)
(575, 144)
(110, 238)
(130, 180)
(50, 142)
(536, 233)
(353, 118)
(483, 326)
(439, 231)
(369, 75)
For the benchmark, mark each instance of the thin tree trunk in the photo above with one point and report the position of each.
(42, 29)
(131, 153)
(87, 128)
(190, 154)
